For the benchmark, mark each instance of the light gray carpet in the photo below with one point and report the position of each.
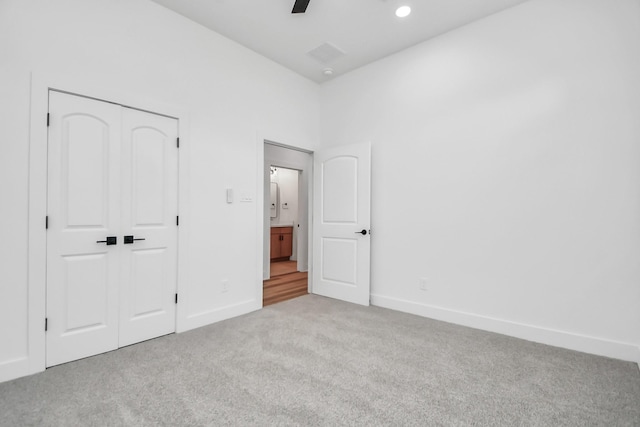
(316, 361)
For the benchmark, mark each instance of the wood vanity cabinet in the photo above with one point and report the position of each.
(281, 243)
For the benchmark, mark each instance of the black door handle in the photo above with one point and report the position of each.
(129, 239)
(363, 232)
(111, 240)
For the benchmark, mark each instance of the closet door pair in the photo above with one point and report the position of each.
(112, 204)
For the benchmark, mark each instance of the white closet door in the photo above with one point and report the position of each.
(149, 210)
(112, 237)
(83, 206)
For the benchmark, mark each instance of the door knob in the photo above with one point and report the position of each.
(363, 232)
(129, 239)
(111, 240)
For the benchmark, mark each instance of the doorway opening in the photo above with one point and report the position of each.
(286, 280)
(286, 216)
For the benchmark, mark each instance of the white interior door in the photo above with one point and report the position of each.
(342, 212)
(112, 239)
(149, 211)
(83, 210)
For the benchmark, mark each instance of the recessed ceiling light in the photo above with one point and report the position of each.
(403, 11)
(328, 72)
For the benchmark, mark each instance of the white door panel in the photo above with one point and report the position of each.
(83, 207)
(150, 204)
(342, 194)
(340, 190)
(339, 256)
(86, 291)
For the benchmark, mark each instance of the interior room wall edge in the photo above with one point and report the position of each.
(557, 338)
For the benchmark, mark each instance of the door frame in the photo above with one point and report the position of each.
(109, 91)
(263, 221)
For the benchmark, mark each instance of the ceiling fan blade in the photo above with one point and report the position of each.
(300, 6)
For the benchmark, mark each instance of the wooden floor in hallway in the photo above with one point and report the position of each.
(285, 283)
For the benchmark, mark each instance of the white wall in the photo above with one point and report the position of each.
(506, 170)
(149, 52)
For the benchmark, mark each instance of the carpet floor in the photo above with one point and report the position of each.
(313, 361)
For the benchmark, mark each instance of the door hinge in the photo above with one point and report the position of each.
(47, 119)
(178, 142)
(46, 222)
(176, 298)
(177, 220)
(46, 324)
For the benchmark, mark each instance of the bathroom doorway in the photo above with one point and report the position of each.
(286, 261)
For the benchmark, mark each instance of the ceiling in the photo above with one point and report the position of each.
(346, 33)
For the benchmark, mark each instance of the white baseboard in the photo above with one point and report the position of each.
(15, 368)
(587, 344)
(222, 313)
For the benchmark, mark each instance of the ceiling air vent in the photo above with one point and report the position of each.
(325, 53)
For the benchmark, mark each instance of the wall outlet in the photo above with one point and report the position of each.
(423, 283)
(225, 286)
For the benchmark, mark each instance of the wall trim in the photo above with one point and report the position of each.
(219, 314)
(262, 222)
(583, 343)
(288, 147)
(14, 368)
